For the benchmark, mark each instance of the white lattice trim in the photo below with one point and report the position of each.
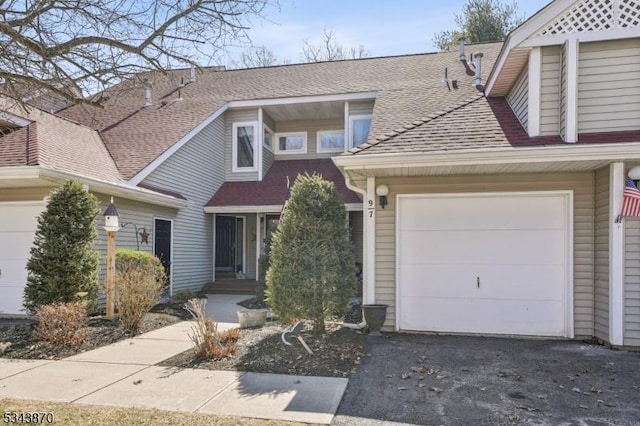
(595, 15)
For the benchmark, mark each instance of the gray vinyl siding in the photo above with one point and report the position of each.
(361, 107)
(196, 171)
(518, 98)
(131, 212)
(311, 127)
(632, 282)
(580, 183)
(609, 86)
(563, 92)
(550, 91)
(601, 283)
(230, 117)
(267, 155)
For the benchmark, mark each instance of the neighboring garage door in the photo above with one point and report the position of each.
(484, 263)
(18, 223)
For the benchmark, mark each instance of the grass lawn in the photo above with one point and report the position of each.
(76, 414)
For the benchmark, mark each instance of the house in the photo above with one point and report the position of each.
(483, 185)
(502, 212)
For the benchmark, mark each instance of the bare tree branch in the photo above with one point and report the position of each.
(329, 50)
(91, 44)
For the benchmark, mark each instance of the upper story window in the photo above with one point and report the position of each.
(330, 141)
(267, 138)
(359, 126)
(244, 142)
(291, 143)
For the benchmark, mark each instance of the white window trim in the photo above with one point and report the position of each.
(234, 147)
(349, 142)
(329, 132)
(303, 150)
(267, 129)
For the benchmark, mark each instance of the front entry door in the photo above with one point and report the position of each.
(229, 244)
(162, 244)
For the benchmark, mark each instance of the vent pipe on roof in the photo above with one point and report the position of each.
(477, 61)
(192, 79)
(463, 58)
(147, 100)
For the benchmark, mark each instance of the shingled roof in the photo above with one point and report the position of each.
(479, 123)
(272, 190)
(408, 88)
(56, 143)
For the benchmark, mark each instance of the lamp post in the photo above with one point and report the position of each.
(111, 225)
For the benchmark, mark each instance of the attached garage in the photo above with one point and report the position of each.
(494, 263)
(17, 228)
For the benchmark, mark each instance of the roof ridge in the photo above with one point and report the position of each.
(417, 123)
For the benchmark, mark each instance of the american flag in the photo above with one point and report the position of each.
(630, 199)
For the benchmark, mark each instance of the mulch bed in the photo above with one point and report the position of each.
(15, 335)
(336, 354)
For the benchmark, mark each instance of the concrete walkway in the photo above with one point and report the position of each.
(124, 374)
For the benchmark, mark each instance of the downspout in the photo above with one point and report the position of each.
(351, 186)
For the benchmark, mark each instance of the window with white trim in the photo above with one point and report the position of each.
(330, 141)
(267, 138)
(359, 126)
(243, 149)
(291, 143)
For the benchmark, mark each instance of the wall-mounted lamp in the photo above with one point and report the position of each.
(634, 173)
(382, 191)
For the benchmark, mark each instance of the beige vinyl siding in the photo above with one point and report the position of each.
(550, 91)
(230, 117)
(311, 127)
(196, 171)
(601, 282)
(580, 183)
(632, 282)
(563, 92)
(518, 98)
(609, 86)
(361, 107)
(25, 194)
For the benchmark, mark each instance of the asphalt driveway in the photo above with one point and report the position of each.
(459, 380)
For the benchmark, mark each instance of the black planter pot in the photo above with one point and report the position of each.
(374, 315)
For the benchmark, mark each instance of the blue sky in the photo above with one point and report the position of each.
(389, 27)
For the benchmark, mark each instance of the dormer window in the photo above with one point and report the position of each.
(291, 143)
(330, 141)
(244, 142)
(359, 126)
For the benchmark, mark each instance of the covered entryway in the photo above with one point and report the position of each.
(230, 237)
(485, 263)
(162, 230)
(17, 228)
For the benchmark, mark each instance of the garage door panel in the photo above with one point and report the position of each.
(482, 246)
(19, 218)
(11, 300)
(14, 272)
(535, 282)
(469, 316)
(15, 245)
(18, 223)
(516, 244)
(485, 212)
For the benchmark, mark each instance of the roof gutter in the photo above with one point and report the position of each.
(124, 190)
(617, 151)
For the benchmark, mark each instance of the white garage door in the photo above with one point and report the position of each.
(484, 263)
(18, 223)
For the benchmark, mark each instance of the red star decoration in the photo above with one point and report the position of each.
(144, 236)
